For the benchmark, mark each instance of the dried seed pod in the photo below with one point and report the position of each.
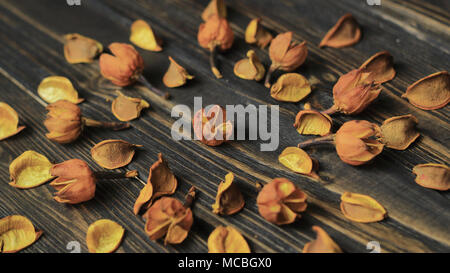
(229, 199)
(431, 92)
(127, 108)
(381, 67)
(104, 236)
(212, 128)
(256, 34)
(55, 88)
(142, 35)
(81, 49)
(215, 7)
(361, 208)
(227, 240)
(280, 201)
(176, 75)
(311, 122)
(9, 121)
(250, 68)
(16, 233)
(322, 244)
(399, 132)
(113, 153)
(298, 161)
(29, 170)
(433, 176)
(345, 32)
(161, 181)
(291, 87)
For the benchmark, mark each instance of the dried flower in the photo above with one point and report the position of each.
(250, 68)
(142, 35)
(104, 236)
(9, 121)
(229, 199)
(431, 92)
(361, 208)
(113, 153)
(176, 75)
(16, 233)
(81, 49)
(215, 7)
(399, 132)
(212, 128)
(127, 108)
(433, 176)
(381, 67)
(55, 88)
(291, 87)
(29, 170)
(322, 244)
(285, 54)
(311, 122)
(280, 201)
(215, 33)
(227, 240)
(345, 32)
(161, 181)
(298, 161)
(256, 34)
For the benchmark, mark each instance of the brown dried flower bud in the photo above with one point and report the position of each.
(212, 128)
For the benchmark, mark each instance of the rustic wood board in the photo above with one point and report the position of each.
(415, 32)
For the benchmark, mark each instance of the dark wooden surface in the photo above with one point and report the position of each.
(415, 32)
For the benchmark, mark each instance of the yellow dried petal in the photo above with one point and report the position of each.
(229, 199)
(113, 153)
(127, 108)
(291, 87)
(361, 208)
(431, 92)
(399, 132)
(55, 88)
(104, 236)
(296, 160)
(345, 32)
(81, 49)
(176, 75)
(29, 170)
(256, 34)
(142, 35)
(322, 244)
(9, 121)
(381, 67)
(16, 233)
(311, 122)
(215, 7)
(227, 240)
(433, 176)
(250, 68)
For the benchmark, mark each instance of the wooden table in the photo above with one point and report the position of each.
(415, 32)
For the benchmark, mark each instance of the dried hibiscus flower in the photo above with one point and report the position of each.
(29, 170)
(431, 92)
(322, 244)
(142, 35)
(227, 240)
(311, 122)
(113, 153)
(176, 75)
(291, 87)
(381, 67)
(81, 49)
(127, 108)
(215, 7)
(229, 199)
(298, 161)
(256, 34)
(104, 236)
(55, 88)
(9, 121)
(280, 201)
(212, 128)
(399, 132)
(361, 208)
(16, 233)
(345, 32)
(433, 176)
(250, 68)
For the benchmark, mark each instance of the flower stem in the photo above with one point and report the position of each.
(114, 175)
(111, 125)
(212, 62)
(189, 198)
(269, 75)
(142, 80)
(333, 109)
(319, 140)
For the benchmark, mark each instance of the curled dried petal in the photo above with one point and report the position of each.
(361, 208)
(256, 34)
(215, 7)
(311, 122)
(113, 153)
(229, 199)
(345, 32)
(291, 87)
(431, 92)
(9, 121)
(433, 176)
(227, 240)
(381, 67)
(29, 170)
(176, 75)
(250, 68)
(142, 35)
(322, 244)
(81, 49)
(104, 236)
(55, 88)
(296, 160)
(127, 108)
(399, 132)
(16, 233)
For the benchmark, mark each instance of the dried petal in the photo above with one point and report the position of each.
(287, 55)
(212, 128)
(297, 160)
(81, 49)
(361, 208)
(176, 75)
(399, 132)
(104, 236)
(322, 244)
(256, 34)
(161, 181)
(433, 176)
(215, 7)
(29, 170)
(346, 32)
(431, 92)
(127, 108)
(113, 153)
(250, 68)
(291, 87)
(9, 121)
(229, 199)
(16, 233)
(55, 88)
(142, 35)
(227, 240)
(381, 67)
(311, 122)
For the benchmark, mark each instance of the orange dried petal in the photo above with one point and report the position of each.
(311, 122)
(291, 87)
(322, 244)
(9, 121)
(256, 34)
(381, 67)
(81, 49)
(296, 160)
(227, 240)
(229, 199)
(250, 68)
(431, 92)
(16, 233)
(127, 108)
(29, 170)
(142, 35)
(176, 75)
(433, 176)
(55, 88)
(104, 236)
(113, 153)
(345, 32)
(215, 7)
(399, 132)
(361, 208)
